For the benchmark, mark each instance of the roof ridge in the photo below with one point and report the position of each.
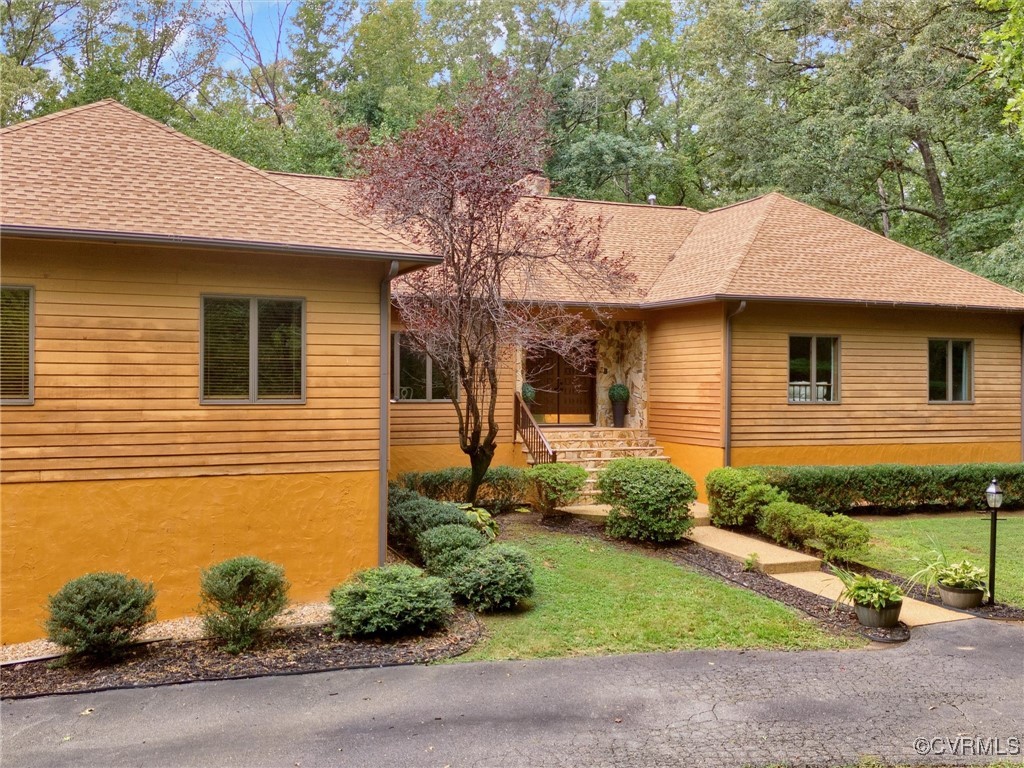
(57, 115)
(772, 199)
(252, 169)
(901, 245)
(615, 202)
(743, 202)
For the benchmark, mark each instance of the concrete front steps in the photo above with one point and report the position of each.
(594, 448)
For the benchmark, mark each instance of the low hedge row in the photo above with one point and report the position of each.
(839, 537)
(896, 488)
(503, 488)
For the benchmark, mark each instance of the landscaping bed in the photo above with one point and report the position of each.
(285, 650)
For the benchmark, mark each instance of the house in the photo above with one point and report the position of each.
(190, 368)
(198, 361)
(764, 332)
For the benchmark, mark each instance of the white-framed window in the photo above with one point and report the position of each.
(950, 370)
(17, 347)
(813, 369)
(253, 350)
(412, 374)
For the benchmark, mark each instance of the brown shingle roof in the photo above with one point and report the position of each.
(104, 169)
(770, 247)
(778, 248)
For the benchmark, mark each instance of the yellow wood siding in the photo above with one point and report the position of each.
(117, 366)
(685, 353)
(883, 378)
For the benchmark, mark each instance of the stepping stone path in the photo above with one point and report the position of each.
(786, 565)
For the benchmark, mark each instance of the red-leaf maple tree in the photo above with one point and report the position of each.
(455, 184)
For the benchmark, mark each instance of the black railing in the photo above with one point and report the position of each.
(526, 426)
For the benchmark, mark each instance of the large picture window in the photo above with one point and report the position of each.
(813, 369)
(412, 374)
(950, 370)
(253, 350)
(16, 332)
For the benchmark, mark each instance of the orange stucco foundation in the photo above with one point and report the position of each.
(423, 458)
(695, 460)
(320, 527)
(908, 453)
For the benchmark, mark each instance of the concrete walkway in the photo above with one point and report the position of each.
(955, 688)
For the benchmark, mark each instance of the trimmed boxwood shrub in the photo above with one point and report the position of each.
(842, 538)
(239, 597)
(445, 546)
(390, 601)
(650, 499)
(556, 485)
(448, 484)
(494, 578)
(788, 523)
(100, 614)
(725, 487)
(898, 488)
(411, 517)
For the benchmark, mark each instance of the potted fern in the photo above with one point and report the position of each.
(877, 602)
(619, 395)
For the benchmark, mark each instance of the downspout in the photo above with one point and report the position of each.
(385, 407)
(1022, 393)
(728, 383)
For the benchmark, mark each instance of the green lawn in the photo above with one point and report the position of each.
(896, 541)
(593, 598)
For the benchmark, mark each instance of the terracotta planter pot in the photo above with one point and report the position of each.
(619, 413)
(882, 618)
(956, 597)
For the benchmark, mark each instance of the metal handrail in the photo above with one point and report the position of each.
(528, 428)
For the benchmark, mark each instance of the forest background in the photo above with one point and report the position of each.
(904, 116)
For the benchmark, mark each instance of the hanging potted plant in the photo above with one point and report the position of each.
(529, 394)
(877, 602)
(619, 395)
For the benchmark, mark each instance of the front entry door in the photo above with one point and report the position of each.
(565, 395)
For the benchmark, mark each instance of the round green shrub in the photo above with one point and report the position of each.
(751, 502)
(725, 486)
(409, 518)
(788, 523)
(618, 393)
(390, 601)
(443, 547)
(100, 614)
(504, 489)
(239, 598)
(842, 538)
(556, 485)
(493, 578)
(650, 499)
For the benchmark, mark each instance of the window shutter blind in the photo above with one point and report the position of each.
(225, 348)
(279, 349)
(15, 344)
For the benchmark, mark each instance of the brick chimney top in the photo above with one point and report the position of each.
(536, 183)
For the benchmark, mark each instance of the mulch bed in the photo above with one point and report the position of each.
(283, 651)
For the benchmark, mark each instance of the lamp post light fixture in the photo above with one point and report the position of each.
(994, 499)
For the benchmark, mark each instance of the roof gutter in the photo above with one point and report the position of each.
(385, 408)
(56, 233)
(727, 404)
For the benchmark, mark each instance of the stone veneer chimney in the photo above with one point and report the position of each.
(536, 183)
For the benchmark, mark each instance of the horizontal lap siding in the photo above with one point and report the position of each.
(437, 424)
(883, 378)
(117, 366)
(685, 348)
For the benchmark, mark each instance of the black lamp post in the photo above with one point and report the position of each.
(994, 499)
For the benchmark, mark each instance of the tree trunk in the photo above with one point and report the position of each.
(883, 198)
(931, 174)
(480, 460)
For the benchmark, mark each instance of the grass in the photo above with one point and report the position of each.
(895, 542)
(594, 598)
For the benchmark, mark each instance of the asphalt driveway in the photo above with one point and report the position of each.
(953, 695)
